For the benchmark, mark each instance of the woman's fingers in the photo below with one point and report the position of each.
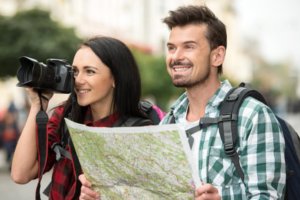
(86, 190)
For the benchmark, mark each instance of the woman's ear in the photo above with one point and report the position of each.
(218, 56)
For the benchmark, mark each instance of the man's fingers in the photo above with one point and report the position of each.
(207, 191)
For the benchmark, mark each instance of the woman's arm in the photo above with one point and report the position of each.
(25, 164)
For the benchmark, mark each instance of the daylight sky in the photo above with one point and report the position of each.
(275, 24)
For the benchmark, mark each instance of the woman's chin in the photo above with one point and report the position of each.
(82, 103)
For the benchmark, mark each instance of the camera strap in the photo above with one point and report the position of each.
(42, 143)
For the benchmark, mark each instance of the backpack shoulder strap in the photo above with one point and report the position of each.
(137, 121)
(153, 113)
(228, 126)
(148, 109)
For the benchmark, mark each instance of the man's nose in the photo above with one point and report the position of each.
(177, 55)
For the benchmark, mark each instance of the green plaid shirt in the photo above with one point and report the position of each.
(260, 148)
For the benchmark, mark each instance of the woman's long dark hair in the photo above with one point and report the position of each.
(119, 59)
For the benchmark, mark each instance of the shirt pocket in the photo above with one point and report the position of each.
(221, 170)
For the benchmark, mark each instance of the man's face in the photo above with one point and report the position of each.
(188, 56)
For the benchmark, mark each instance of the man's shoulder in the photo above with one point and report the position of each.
(253, 111)
(251, 103)
(167, 119)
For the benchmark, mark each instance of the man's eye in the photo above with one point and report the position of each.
(189, 47)
(171, 48)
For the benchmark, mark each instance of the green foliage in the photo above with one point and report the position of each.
(156, 82)
(33, 33)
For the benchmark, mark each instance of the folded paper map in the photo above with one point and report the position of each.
(143, 163)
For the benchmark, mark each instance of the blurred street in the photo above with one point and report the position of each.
(11, 191)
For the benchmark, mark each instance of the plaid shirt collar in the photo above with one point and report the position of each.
(108, 121)
(181, 104)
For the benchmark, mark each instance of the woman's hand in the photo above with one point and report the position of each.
(86, 189)
(35, 99)
(207, 192)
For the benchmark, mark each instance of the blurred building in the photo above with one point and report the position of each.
(138, 23)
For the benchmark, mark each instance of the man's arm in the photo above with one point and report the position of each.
(262, 155)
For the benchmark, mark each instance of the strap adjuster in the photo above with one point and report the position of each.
(60, 152)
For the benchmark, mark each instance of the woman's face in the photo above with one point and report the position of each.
(94, 82)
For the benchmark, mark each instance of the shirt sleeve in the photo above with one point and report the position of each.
(262, 152)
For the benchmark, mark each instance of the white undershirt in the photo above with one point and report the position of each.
(196, 136)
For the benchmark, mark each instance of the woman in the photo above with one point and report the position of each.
(107, 89)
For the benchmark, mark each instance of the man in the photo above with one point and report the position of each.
(195, 53)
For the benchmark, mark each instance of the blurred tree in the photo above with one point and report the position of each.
(275, 81)
(33, 33)
(156, 82)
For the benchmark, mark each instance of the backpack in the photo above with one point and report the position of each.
(229, 133)
(228, 128)
(154, 115)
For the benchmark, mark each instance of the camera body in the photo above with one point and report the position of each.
(55, 76)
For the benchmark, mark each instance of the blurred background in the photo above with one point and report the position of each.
(263, 50)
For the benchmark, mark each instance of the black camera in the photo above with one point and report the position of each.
(56, 76)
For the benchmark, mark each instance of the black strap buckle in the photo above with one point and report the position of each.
(60, 152)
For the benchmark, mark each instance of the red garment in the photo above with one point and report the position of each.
(10, 133)
(63, 177)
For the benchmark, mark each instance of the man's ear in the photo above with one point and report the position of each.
(217, 56)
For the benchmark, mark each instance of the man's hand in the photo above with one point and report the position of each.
(86, 192)
(207, 192)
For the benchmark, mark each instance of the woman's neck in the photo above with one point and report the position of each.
(100, 112)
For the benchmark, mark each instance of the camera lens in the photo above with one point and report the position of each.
(54, 76)
(27, 71)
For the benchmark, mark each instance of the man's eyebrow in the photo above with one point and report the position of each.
(190, 42)
(185, 42)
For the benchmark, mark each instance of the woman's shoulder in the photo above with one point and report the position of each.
(58, 110)
(56, 113)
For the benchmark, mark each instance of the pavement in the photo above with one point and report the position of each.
(12, 191)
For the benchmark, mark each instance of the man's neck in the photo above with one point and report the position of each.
(198, 98)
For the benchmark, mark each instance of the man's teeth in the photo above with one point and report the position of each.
(180, 69)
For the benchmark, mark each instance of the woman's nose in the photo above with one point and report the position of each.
(79, 78)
